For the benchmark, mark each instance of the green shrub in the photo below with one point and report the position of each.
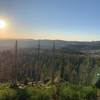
(73, 92)
(39, 93)
(7, 93)
(68, 93)
(87, 92)
(52, 92)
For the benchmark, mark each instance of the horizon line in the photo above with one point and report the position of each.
(50, 39)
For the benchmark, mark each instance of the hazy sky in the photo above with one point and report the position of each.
(51, 19)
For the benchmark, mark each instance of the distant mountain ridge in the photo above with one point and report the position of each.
(29, 43)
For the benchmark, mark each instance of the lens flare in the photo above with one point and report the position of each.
(2, 24)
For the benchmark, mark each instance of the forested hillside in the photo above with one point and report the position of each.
(50, 65)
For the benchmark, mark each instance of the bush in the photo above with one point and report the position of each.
(88, 92)
(39, 93)
(73, 92)
(68, 93)
(7, 93)
(52, 92)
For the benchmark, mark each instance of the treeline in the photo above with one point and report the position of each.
(46, 65)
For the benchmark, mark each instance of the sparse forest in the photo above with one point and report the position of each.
(48, 74)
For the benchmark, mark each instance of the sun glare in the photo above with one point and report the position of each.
(2, 24)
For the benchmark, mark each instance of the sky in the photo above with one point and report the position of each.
(72, 20)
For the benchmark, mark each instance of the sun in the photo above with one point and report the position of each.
(2, 24)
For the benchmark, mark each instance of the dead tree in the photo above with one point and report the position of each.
(53, 63)
(34, 64)
(37, 72)
(62, 68)
(14, 67)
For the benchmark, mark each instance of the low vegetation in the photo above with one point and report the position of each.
(48, 92)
